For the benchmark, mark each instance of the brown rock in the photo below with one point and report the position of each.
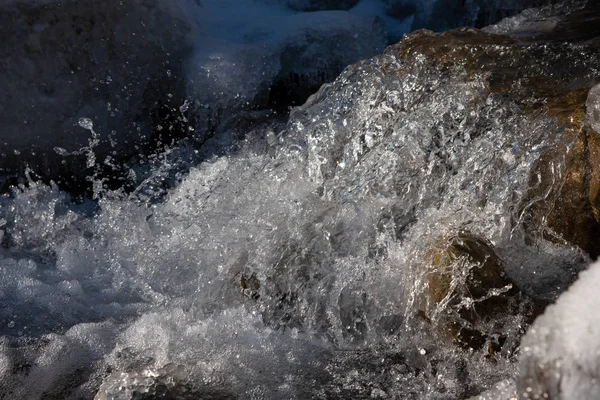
(551, 79)
(594, 164)
(467, 290)
(563, 201)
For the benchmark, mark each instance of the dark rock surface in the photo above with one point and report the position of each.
(113, 62)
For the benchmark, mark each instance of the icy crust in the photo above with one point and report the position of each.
(567, 20)
(560, 351)
(530, 21)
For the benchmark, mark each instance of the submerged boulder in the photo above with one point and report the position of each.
(560, 202)
(532, 94)
(468, 293)
(482, 131)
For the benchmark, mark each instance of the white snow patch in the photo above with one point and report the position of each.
(561, 351)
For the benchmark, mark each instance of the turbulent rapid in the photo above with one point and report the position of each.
(394, 238)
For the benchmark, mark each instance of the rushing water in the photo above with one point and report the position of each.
(292, 265)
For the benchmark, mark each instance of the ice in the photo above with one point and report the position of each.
(560, 352)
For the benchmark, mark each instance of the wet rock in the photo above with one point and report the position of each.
(563, 196)
(250, 286)
(544, 80)
(115, 63)
(468, 292)
(594, 165)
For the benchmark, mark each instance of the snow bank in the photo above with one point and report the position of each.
(561, 351)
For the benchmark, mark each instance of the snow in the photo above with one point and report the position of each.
(561, 351)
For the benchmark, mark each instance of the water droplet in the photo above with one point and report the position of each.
(61, 152)
(86, 123)
(11, 324)
(184, 107)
